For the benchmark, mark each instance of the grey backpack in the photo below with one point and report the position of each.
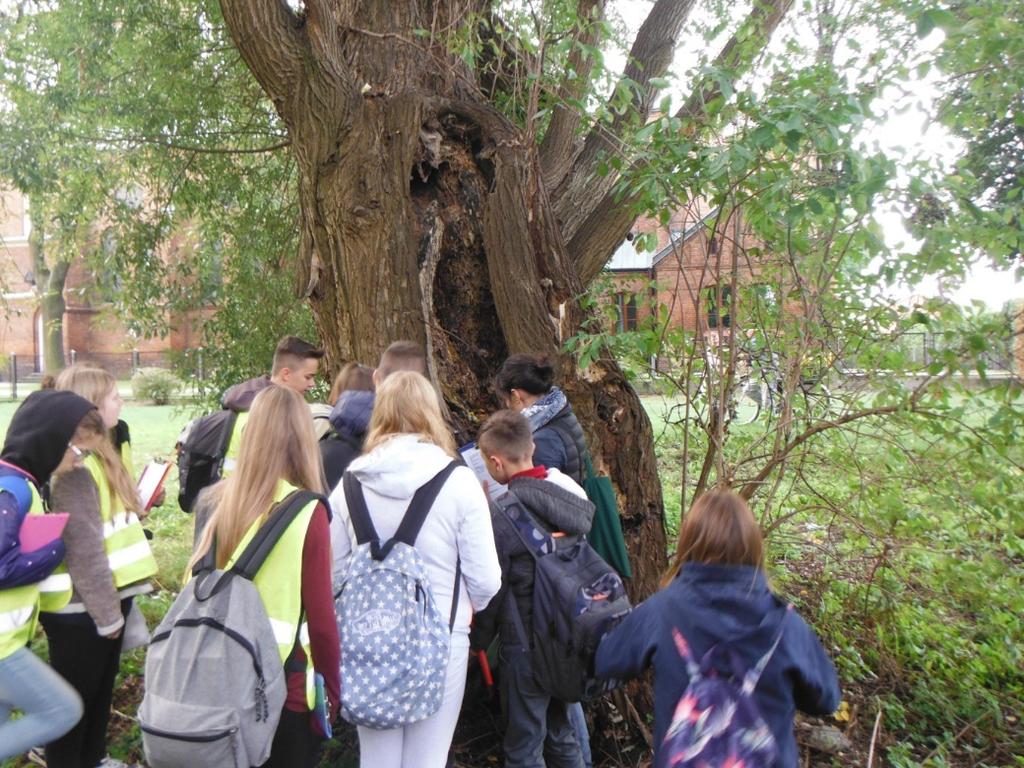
(215, 685)
(395, 643)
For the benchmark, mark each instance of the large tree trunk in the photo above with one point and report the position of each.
(424, 216)
(50, 290)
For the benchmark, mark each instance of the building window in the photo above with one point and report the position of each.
(719, 301)
(625, 312)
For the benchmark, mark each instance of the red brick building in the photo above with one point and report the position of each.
(690, 273)
(91, 328)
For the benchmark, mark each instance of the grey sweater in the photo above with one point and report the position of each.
(75, 492)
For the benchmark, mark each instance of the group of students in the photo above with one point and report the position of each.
(69, 445)
(388, 436)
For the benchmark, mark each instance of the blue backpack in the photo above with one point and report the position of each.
(395, 643)
(577, 598)
(716, 721)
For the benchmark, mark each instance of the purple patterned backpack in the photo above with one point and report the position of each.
(716, 723)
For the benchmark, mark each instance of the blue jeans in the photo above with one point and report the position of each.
(49, 706)
(579, 728)
(538, 733)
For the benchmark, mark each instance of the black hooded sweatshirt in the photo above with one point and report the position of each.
(36, 441)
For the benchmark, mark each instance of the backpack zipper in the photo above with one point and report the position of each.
(195, 738)
(213, 623)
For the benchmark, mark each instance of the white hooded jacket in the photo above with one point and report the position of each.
(457, 527)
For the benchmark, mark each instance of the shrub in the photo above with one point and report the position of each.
(155, 385)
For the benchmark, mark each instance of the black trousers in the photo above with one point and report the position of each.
(295, 743)
(90, 664)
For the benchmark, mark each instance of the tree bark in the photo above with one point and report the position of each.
(423, 216)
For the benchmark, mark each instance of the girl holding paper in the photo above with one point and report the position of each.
(49, 433)
(109, 561)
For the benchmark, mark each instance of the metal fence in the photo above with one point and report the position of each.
(25, 369)
(923, 348)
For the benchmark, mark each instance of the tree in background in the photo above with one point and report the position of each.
(138, 127)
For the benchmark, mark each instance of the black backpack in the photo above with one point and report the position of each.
(201, 454)
(577, 598)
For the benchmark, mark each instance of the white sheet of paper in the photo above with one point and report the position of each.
(475, 461)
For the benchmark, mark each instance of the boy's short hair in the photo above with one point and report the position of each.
(507, 433)
(291, 351)
(402, 356)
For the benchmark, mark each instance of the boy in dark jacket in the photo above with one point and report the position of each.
(557, 505)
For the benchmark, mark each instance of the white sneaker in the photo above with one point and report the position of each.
(110, 762)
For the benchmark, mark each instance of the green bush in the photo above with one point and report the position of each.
(155, 385)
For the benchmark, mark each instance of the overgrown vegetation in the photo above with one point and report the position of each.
(903, 541)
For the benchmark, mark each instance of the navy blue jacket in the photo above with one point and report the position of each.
(18, 568)
(350, 419)
(717, 603)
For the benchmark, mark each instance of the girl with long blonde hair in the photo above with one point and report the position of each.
(717, 610)
(408, 444)
(276, 446)
(279, 455)
(109, 562)
(99, 387)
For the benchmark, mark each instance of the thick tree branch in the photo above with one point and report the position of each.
(609, 221)
(269, 36)
(559, 145)
(649, 58)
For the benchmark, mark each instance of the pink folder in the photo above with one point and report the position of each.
(39, 530)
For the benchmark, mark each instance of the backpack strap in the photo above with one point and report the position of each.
(538, 542)
(419, 507)
(258, 549)
(455, 594)
(683, 648)
(362, 525)
(207, 562)
(724, 653)
(412, 521)
(753, 676)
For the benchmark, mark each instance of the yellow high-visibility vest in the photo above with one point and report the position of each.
(128, 553)
(234, 444)
(279, 582)
(20, 606)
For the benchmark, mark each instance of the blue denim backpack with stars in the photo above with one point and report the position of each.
(394, 640)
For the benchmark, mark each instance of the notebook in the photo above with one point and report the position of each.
(151, 481)
(39, 530)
